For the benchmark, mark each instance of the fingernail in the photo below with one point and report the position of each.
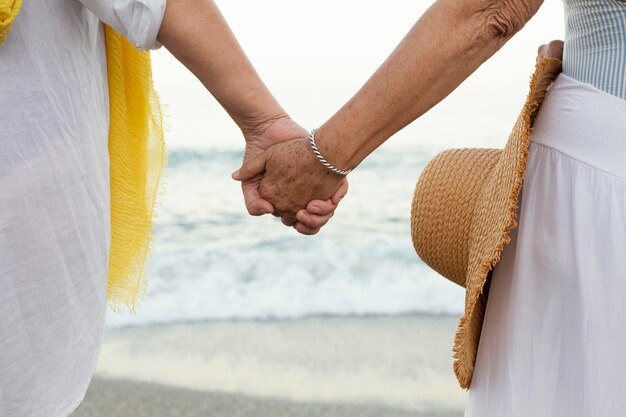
(315, 209)
(235, 174)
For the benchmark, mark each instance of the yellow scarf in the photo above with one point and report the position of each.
(137, 157)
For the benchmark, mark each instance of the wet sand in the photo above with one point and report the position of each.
(117, 398)
(369, 366)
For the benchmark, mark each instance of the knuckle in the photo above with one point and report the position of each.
(288, 219)
(250, 209)
(255, 212)
(308, 231)
(314, 224)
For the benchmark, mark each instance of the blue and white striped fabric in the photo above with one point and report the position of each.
(595, 44)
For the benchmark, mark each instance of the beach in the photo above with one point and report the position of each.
(318, 366)
(118, 398)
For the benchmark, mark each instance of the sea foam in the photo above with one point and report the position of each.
(215, 262)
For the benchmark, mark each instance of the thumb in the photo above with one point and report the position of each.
(251, 168)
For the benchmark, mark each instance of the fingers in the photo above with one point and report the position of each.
(251, 168)
(319, 212)
(341, 192)
(324, 207)
(302, 229)
(315, 216)
(250, 175)
(320, 207)
(255, 204)
(312, 221)
(553, 49)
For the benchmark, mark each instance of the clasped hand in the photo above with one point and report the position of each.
(281, 175)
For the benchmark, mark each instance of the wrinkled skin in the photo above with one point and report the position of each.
(278, 192)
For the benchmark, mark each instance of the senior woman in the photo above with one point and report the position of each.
(554, 332)
(54, 174)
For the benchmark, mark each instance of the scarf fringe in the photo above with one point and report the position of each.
(138, 158)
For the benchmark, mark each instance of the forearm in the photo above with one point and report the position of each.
(448, 43)
(195, 32)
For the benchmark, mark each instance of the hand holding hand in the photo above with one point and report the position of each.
(313, 215)
(259, 138)
(291, 177)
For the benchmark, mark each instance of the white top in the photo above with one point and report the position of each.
(54, 197)
(554, 336)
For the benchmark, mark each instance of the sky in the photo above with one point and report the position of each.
(315, 55)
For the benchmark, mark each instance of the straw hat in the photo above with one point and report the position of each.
(464, 207)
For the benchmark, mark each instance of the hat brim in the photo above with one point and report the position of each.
(463, 213)
(494, 217)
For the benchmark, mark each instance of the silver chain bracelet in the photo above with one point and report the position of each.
(323, 160)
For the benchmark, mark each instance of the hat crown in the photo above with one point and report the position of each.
(443, 207)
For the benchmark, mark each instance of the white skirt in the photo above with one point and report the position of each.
(553, 342)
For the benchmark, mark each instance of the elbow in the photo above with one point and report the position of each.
(502, 19)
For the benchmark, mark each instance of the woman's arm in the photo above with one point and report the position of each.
(447, 44)
(195, 32)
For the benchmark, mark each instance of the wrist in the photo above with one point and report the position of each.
(270, 129)
(322, 160)
(255, 121)
(338, 148)
(247, 101)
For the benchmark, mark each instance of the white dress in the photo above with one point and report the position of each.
(54, 197)
(553, 342)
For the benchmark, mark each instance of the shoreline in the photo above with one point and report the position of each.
(121, 398)
(159, 325)
(396, 364)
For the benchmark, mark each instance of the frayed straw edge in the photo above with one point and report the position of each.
(464, 366)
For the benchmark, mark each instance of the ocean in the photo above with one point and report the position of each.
(212, 261)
